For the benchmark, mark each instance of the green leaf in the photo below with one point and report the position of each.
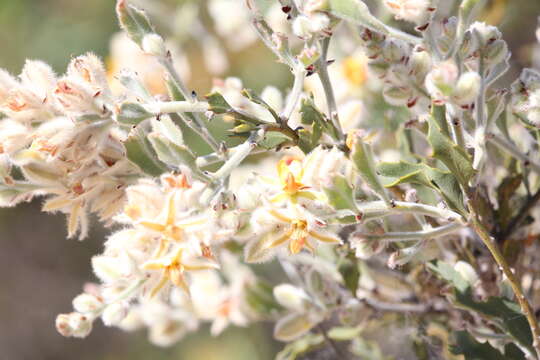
(166, 127)
(501, 311)
(273, 139)
(174, 155)
(357, 12)
(362, 158)
(293, 326)
(133, 21)
(132, 113)
(140, 153)
(351, 274)
(311, 115)
(344, 333)
(300, 346)
(443, 182)
(217, 103)
(512, 352)
(253, 97)
(456, 159)
(341, 196)
(134, 85)
(471, 349)
(366, 349)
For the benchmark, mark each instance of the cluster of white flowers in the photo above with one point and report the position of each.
(60, 133)
(324, 206)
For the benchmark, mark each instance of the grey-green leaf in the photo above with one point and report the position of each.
(133, 21)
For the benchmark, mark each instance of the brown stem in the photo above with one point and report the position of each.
(516, 288)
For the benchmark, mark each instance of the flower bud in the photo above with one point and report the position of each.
(533, 108)
(394, 50)
(484, 34)
(496, 52)
(408, 10)
(85, 303)
(114, 314)
(420, 63)
(302, 27)
(7, 82)
(291, 297)
(441, 80)
(467, 272)
(153, 44)
(80, 324)
(107, 268)
(397, 96)
(450, 26)
(38, 77)
(74, 324)
(62, 325)
(365, 248)
(76, 97)
(467, 88)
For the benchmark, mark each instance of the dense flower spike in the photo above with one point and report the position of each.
(372, 159)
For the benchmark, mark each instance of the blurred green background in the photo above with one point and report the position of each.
(41, 271)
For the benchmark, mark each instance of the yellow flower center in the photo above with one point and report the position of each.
(355, 70)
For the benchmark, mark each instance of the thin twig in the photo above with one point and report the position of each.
(322, 71)
(414, 235)
(401, 307)
(511, 149)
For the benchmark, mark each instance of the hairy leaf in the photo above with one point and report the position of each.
(441, 181)
(503, 312)
(140, 153)
(133, 21)
(456, 159)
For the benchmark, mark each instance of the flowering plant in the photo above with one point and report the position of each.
(388, 183)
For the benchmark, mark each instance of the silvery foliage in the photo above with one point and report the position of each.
(393, 181)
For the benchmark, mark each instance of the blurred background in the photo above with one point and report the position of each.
(41, 271)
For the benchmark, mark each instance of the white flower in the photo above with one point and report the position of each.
(292, 227)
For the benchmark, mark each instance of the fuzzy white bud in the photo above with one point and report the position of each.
(441, 80)
(74, 324)
(365, 248)
(467, 88)
(304, 27)
(291, 297)
(85, 303)
(408, 10)
(114, 314)
(484, 33)
(153, 44)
